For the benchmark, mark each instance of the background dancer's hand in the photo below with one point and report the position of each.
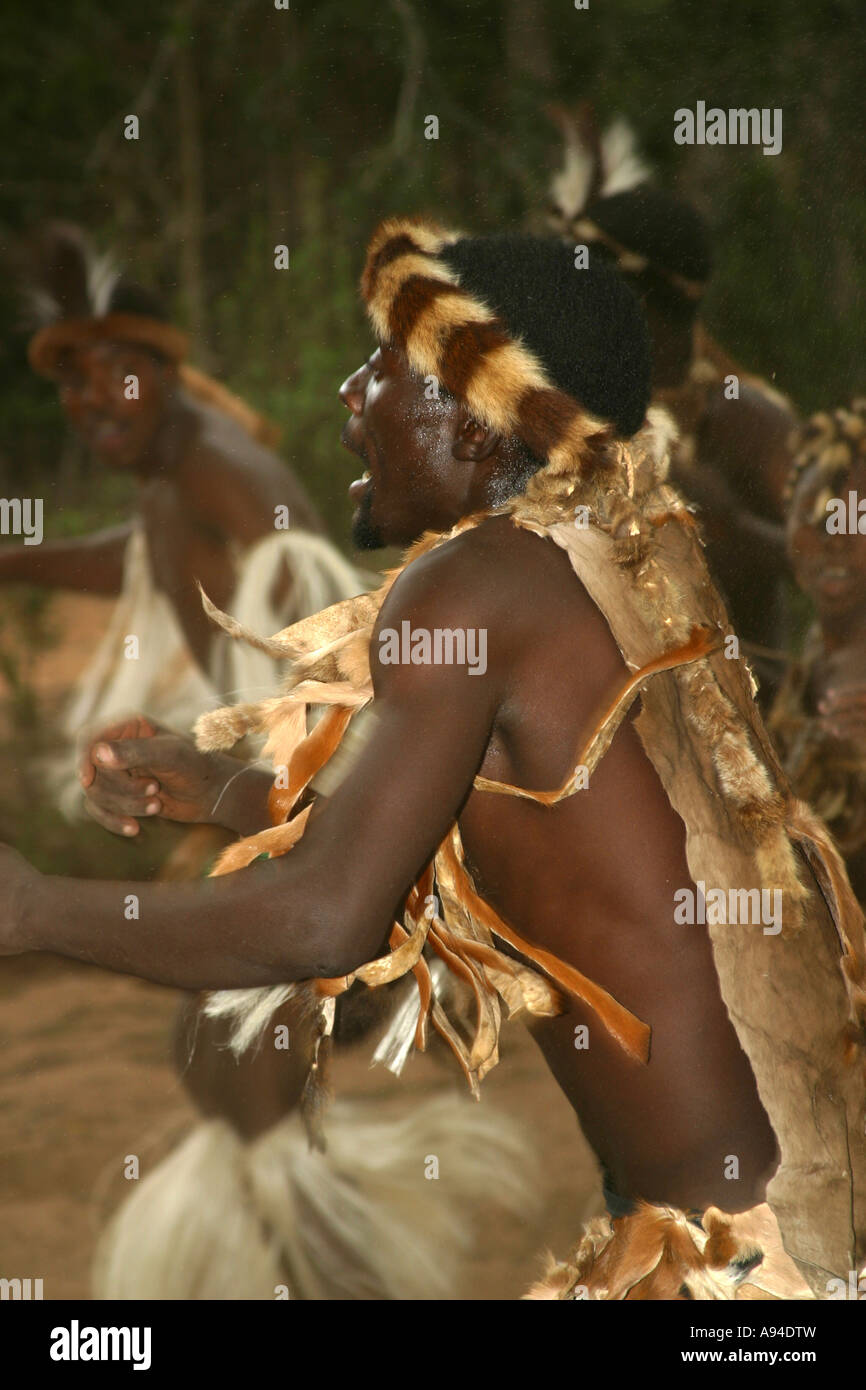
(842, 702)
(136, 769)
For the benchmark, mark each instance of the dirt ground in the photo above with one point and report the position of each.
(86, 1077)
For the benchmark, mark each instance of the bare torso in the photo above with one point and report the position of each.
(593, 880)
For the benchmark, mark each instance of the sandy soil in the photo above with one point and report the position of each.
(85, 1078)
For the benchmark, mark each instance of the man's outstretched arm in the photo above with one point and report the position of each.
(91, 563)
(326, 906)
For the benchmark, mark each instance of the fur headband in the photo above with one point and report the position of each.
(74, 297)
(832, 442)
(416, 304)
(46, 346)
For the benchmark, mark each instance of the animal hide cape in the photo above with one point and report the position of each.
(797, 1000)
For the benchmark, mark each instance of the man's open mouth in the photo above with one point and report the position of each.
(107, 434)
(359, 487)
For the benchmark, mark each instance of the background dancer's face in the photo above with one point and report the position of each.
(428, 463)
(830, 568)
(99, 399)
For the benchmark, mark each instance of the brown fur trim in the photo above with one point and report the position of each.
(274, 841)
(656, 1254)
(308, 758)
(206, 389)
(594, 745)
(630, 1032)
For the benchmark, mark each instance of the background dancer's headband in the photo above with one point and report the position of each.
(831, 441)
(76, 298)
(46, 348)
(533, 345)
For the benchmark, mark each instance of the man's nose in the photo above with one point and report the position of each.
(94, 393)
(354, 388)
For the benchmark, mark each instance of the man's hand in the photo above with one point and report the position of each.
(18, 879)
(842, 704)
(136, 768)
(842, 714)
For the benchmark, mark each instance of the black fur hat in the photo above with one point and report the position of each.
(585, 325)
(603, 196)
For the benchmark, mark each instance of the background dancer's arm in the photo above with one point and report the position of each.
(93, 563)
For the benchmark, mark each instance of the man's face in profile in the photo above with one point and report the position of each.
(403, 428)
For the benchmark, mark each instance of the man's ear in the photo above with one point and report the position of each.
(474, 442)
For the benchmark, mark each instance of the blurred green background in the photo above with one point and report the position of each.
(261, 126)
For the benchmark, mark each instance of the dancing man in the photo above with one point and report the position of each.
(678, 927)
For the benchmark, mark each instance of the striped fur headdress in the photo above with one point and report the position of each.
(418, 303)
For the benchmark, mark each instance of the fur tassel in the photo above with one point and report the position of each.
(279, 650)
(219, 1219)
(657, 1254)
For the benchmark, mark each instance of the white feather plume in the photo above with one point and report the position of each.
(622, 166)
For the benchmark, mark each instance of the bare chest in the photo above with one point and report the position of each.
(183, 549)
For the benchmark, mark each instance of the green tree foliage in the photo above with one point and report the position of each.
(261, 126)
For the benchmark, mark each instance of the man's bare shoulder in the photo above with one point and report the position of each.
(227, 474)
(496, 575)
(220, 443)
(754, 411)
